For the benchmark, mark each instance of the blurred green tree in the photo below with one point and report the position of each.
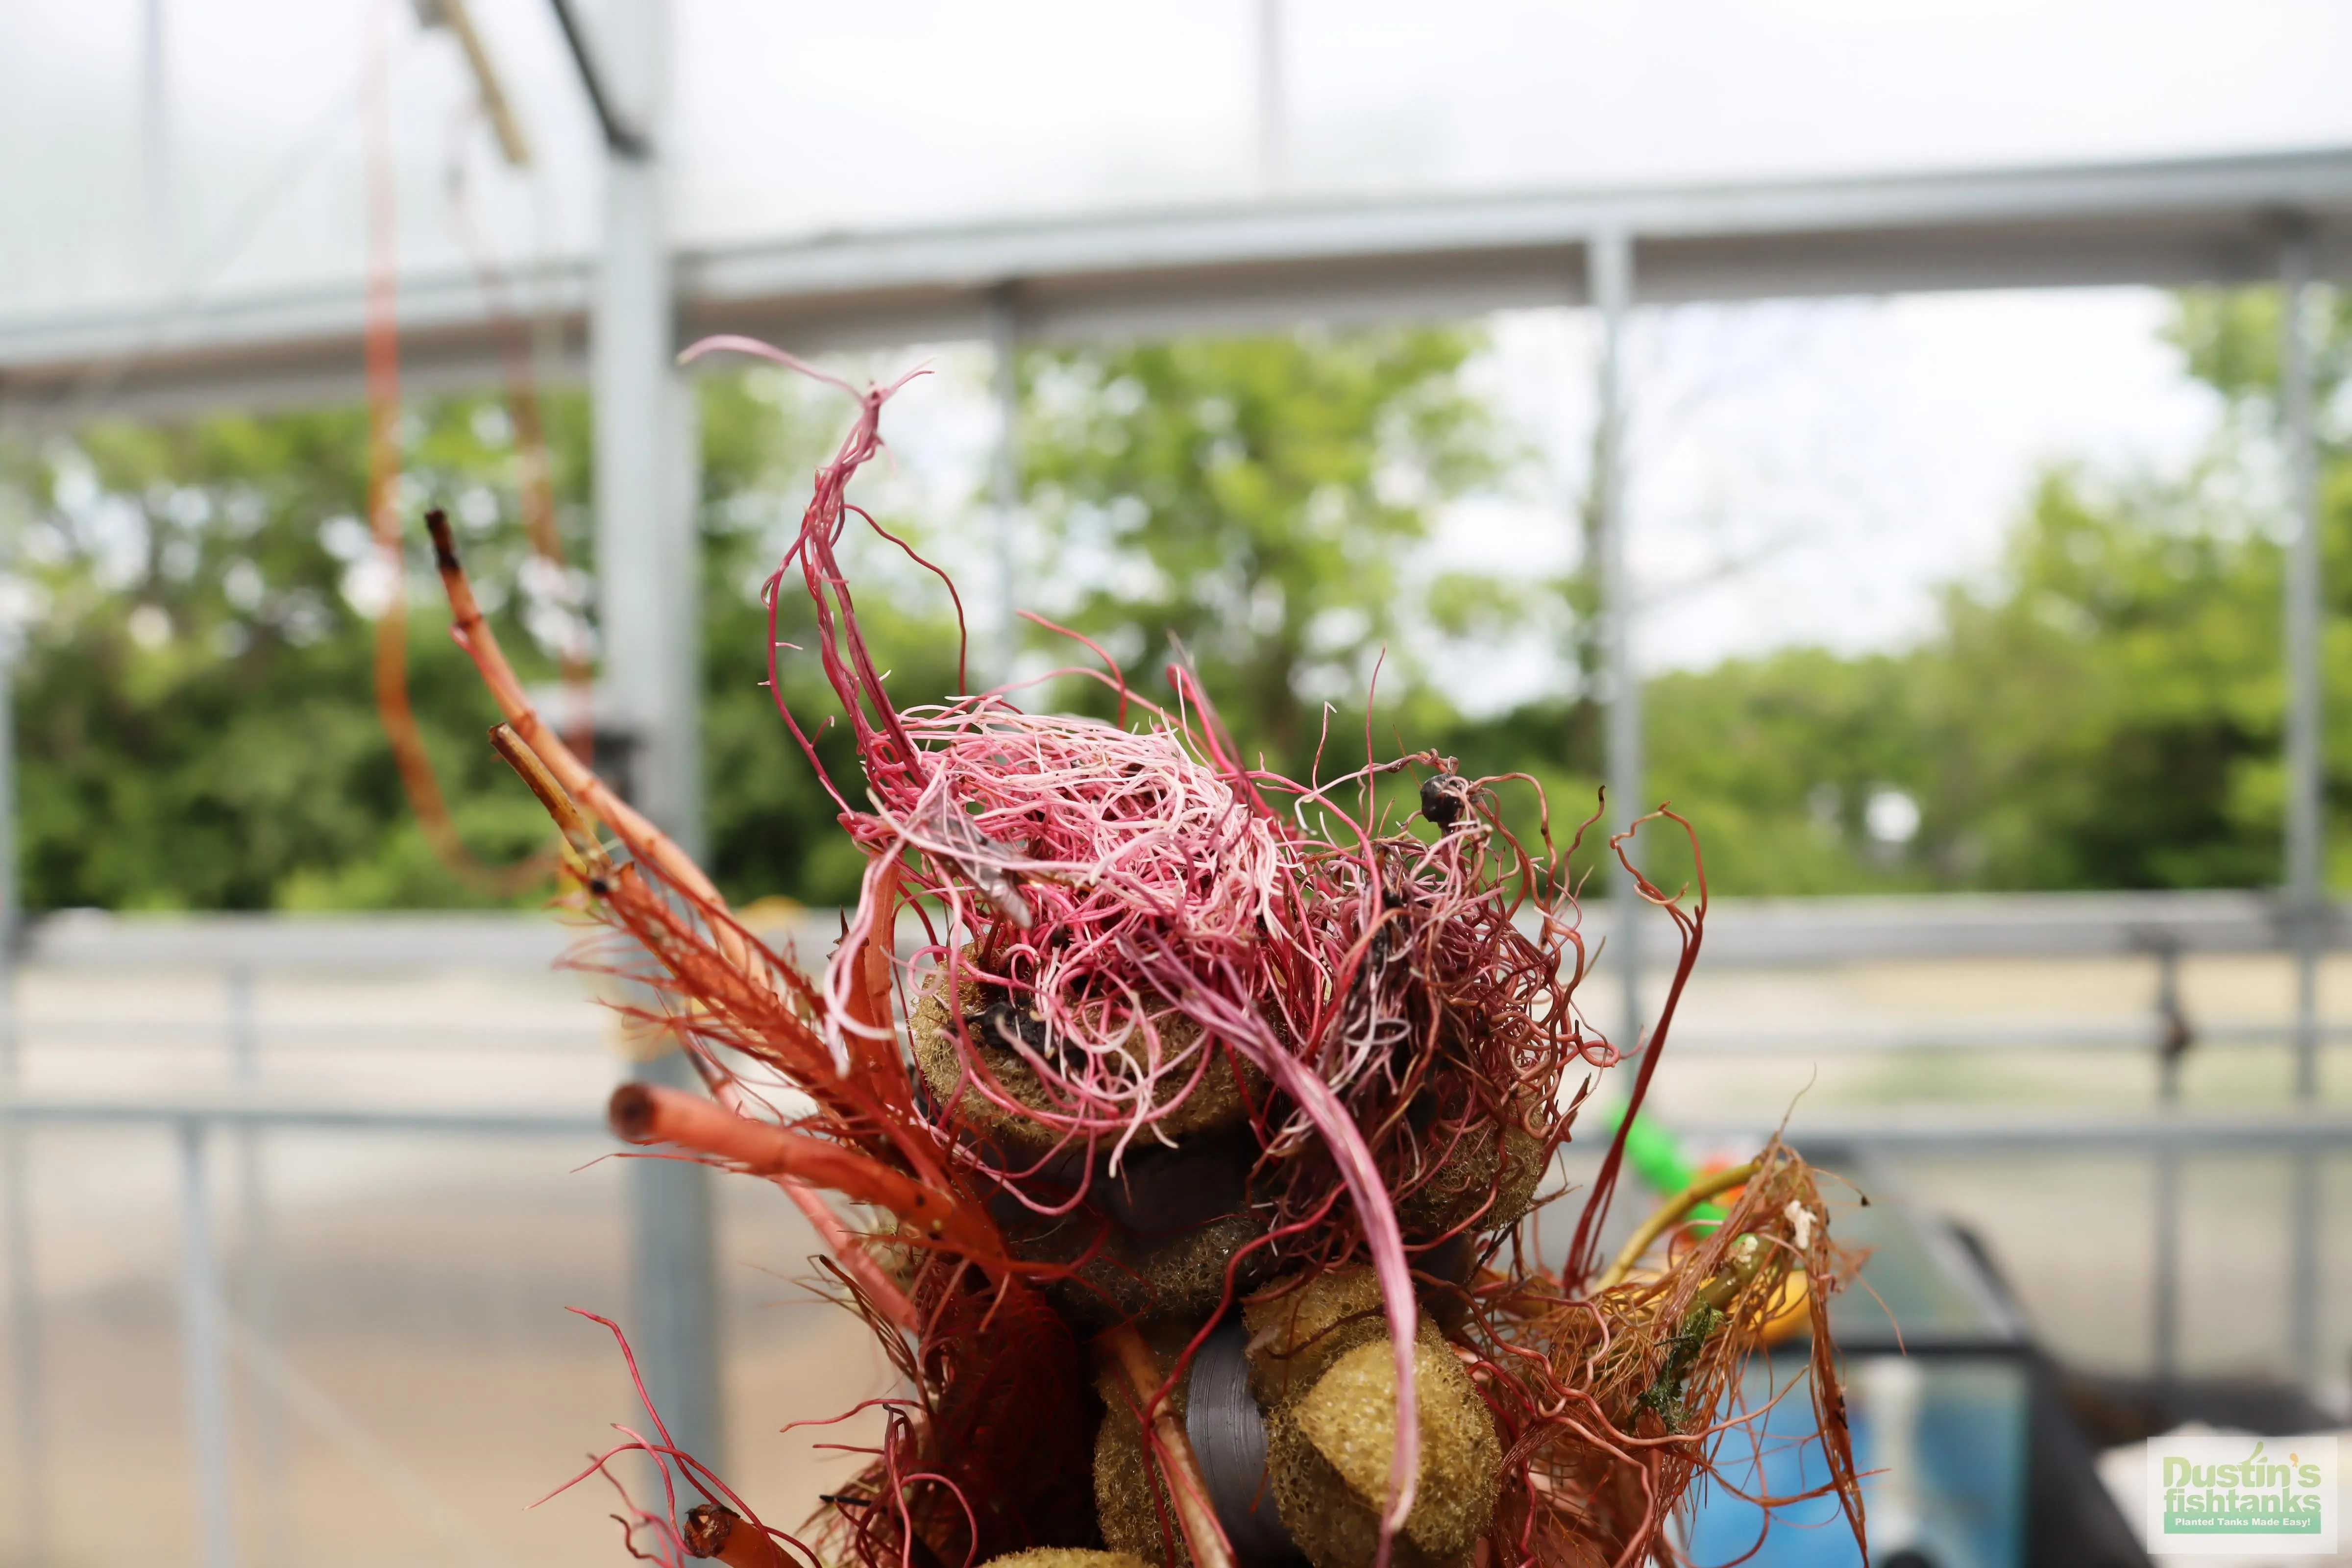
(2111, 714)
(194, 719)
(2105, 714)
(194, 724)
(195, 727)
(1254, 502)
(2110, 717)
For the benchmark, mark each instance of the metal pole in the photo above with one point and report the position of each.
(2174, 1039)
(258, 1299)
(2305, 896)
(15, 1164)
(1272, 118)
(203, 1356)
(648, 582)
(25, 1351)
(1609, 260)
(674, 1256)
(1005, 473)
(2303, 761)
(646, 546)
(155, 149)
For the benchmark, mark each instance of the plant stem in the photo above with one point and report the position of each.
(1181, 1470)
(1667, 1215)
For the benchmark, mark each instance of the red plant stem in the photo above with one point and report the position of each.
(1583, 1251)
(1203, 1534)
(844, 1243)
(651, 1113)
(716, 1530)
(472, 633)
(851, 1249)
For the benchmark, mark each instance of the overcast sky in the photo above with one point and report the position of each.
(1847, 456)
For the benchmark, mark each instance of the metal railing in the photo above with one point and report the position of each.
(242, 952)
(208, 1330)
(1760, 937)
(2162, 929)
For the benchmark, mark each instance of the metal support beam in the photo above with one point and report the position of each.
(1273, 112)
(2305, 760)
(2305, 799)
(16, 1166)
(2175, 1039)
(203, 1356)
(155, 148)
(1004, 477)
(1609, 261)
(646, 567)
(1251, 265)
(624, 136)
(31, 1535)
(674, 1260)
(257, 1261)
(648, 577)
(2063, 1135)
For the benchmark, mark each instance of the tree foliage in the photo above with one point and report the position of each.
(195, 729)
(193, 718)
(195, 723)
(2106, 713)
(1254, 502)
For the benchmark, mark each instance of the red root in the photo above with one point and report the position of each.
(1136, 911)
(713, 1529)
(650, 1113)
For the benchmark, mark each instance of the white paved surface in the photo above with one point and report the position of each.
(420, 1280)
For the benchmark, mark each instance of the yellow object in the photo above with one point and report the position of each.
(1133, 1505)
(1329, 1453)
(1668, 1214)
(1295, 1335)
(1790, 1311)
(1323, 1369)
(1785, 1318)
(771, 917)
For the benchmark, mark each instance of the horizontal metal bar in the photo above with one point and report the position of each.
(1879, 1128)
(1124, 273)
(337, 944)
(281, 944)
(1690, 1038)
(297, 1034)
(1774, 933)
(1893, 1129)
(1227, 268)
(2132, 1036)
(315, 1116)
(1760, 933)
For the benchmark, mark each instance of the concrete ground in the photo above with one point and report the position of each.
(422, 1381)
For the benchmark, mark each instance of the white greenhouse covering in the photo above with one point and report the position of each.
(176, 149)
